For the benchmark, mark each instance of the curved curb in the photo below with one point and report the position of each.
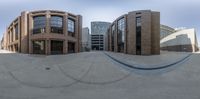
(153, 68)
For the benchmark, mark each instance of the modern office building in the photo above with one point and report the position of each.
(98, 34)
(44, 32)
(137, 32)
(86, 42)
(183, 40)
(165, 31)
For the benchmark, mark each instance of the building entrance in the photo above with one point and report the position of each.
(71, 47)
(56, 47)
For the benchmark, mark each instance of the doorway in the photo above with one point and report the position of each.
(56, 47)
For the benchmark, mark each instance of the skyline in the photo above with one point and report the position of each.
(175, 13)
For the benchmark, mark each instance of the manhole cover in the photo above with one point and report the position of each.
(47, 68)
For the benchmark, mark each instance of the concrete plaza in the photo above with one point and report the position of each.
(95, 75)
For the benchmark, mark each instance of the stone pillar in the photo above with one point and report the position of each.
(79, 34)
(131, 33)
(146, 32)
(65, 31)
(24, 32)
(155, 32)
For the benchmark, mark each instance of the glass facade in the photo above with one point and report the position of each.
(121, 34)
(39, 23)
(12, 36)
(56, 24)
(39, 47)
(112, 36)
(71, 27)
(97, 42)
(138, 35)
(56, 47)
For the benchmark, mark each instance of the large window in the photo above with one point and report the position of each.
(39, 47)
(56, 24)
(16, 32)
(112, 37)
(138, 21)
(39, 23)
(71, 27)
(12, 35)
(138, 35)
(71, 47)
(56, 47)
(121, 34)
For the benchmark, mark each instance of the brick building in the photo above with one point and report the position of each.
(44, 32)
(137, 32)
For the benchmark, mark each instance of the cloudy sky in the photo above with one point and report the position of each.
(174, 13)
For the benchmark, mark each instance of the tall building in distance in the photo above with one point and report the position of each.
(137, 32)
(44, 32)
(98, 34)
(86, 42)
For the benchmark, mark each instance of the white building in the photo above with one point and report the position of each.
(182, 40)
(165, 31)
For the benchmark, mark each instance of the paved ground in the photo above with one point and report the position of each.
(94, 75)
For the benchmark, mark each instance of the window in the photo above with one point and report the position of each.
(138, 13)
(16, 32)
(56, 47)
(121, 34)
(39, 23)
(138, 35)
(71, 47)
(56, 24)
(71, 26)
(39, 47)
(12, 37)
(112, 37)
(121, 29)
(138, 21)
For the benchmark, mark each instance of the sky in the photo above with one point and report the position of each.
(174, 13)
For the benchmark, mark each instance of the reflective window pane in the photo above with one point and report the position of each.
(138, 21)
(56, 21)
(71, 25)
(121, 34)
(121, 30)
(16, 32)
(56, 24)
(39, 47)
(39, 23)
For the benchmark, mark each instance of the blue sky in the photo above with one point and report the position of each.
(174, 13)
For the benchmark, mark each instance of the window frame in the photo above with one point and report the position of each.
(56, 24)
(71, 26)
(39, 25)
